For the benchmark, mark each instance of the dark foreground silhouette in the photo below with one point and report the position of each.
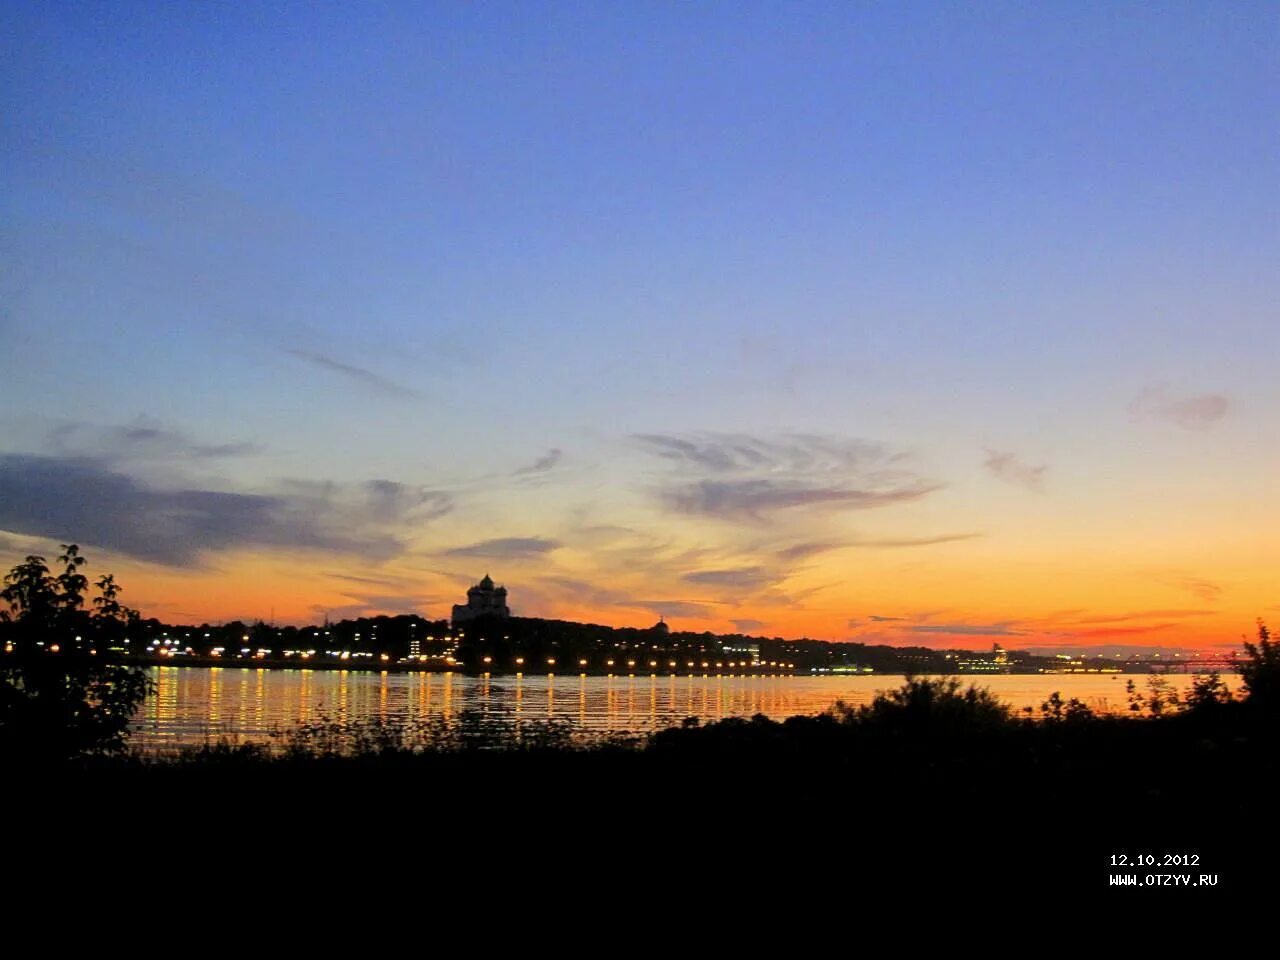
(928, 791)
(932, 793)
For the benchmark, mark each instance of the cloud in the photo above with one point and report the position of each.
(1007, 467)
(373, 605)
(1195, 412)
(1180, 614)
(366, 378)
(752, 499)
(506, 548)
(1119, 631)
(143, 439)
(82, 499)
(746, 626)
(967, 629)
(803, 551)
(1206, 590)
(718, 455)
(739, 477)
(738, 453)
(895, 543)
(875, 619)
(583, 591)
(542, 464)
(392, 582)
(747, 578)
(693, 609)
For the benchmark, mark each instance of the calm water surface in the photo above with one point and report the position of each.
(196, 705)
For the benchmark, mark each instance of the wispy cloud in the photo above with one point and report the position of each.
(1206, 590)
(1118, 631)
(1007, 467)
(742, 453)
(144, 439)
(85, 499)
(693, 609)
(747, 625)
(1092, 620)
(588, 592)
(967, 629)
(799, 552)
(893, 543)
(1191, 412)
(740, 477)
(544, 463)
(384, 582)
(506, 548)
(379, 604)
(579, 591)
(745, 578)
(359, 375)
(754, 499)
(803, 551)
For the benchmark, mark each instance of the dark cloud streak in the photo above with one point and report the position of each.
(83, 499)
(366, 378)
(542, 464)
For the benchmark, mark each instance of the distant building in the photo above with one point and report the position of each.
(661, 628)
(738, 648)
(998, 662)
(483, 600)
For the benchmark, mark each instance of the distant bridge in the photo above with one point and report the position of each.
(1223, 664)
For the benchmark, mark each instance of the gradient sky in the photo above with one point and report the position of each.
(911, 323)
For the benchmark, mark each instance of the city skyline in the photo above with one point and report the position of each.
(923, 325)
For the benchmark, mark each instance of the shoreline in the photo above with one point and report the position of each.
(373, 666)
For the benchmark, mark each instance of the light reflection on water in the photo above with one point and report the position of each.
(195, 705)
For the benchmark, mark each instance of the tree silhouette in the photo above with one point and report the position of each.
(1260, 672)
(64, 688)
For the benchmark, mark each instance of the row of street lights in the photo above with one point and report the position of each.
(670, 664)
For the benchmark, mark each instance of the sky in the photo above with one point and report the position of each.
(912, 323)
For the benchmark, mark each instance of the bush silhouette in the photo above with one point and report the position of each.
(1207, 693)
(1057, 710)
(939, 703)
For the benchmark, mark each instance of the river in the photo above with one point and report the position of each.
(194, 705)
